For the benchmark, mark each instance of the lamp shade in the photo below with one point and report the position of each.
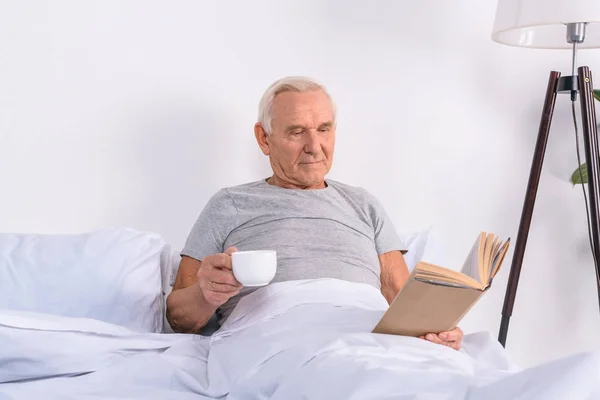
(542, 23)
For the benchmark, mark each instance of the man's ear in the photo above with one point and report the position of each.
(262, 138)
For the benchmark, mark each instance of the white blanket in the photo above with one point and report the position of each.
(294, 340)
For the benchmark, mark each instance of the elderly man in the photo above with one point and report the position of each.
(319, 227)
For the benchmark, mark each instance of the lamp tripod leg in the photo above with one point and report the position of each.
(592, 157)
(528, 204)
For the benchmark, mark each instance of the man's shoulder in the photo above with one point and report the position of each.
(358, 193)
(243, 188)
(230, 197)
(235, 193)
(228, 192)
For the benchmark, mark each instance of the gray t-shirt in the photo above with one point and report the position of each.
(335, 232)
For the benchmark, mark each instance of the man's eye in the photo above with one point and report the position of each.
(296, 132)
(324, 130)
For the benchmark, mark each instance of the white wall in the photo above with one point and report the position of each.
(117, 113)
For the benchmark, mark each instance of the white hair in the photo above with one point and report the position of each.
(297, 84)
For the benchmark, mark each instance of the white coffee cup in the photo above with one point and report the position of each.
(255, 267)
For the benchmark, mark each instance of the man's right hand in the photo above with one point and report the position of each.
(216, 279)
(200, 288)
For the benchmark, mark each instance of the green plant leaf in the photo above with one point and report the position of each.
(580, 175)
(596, 93)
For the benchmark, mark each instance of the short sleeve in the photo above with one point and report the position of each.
(386, 236)
(212, 227)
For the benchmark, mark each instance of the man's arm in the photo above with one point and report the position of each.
(200, 289)
(394, 274)
(187, 309)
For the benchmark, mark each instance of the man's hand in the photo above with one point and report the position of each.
(451, 338)
(216, 280)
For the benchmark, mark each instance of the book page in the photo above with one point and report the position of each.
(471, 265)
(488, 253)
(433, 281)
(499, 258)
(491, 257)
(441, 275)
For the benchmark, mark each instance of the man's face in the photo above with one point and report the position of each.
(301, 144)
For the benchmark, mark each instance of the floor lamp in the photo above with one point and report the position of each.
(554, 24)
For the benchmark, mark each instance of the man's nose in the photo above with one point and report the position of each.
(313, 142)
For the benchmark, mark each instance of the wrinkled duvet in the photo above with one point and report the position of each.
(293, 340)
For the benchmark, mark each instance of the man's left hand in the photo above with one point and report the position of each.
(452, 338)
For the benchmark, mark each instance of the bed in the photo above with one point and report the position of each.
(82, 316)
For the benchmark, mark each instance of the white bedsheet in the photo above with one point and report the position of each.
(294, 340)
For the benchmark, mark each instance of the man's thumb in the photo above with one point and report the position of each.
(231, 250)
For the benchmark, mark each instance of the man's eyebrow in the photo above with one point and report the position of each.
(327, 124)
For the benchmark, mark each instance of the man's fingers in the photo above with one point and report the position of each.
(450, 336)
(453, 337)
(217, 298)
(432, 337)
(222, 277)
(220, 260)
(218, 275)
(221, 287)
(453, 345)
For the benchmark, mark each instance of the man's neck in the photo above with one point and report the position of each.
(275, 181)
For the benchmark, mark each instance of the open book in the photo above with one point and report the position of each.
(434, 299)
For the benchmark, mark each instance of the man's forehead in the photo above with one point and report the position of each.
(293, 107)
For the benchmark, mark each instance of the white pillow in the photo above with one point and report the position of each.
(112, 275)
(171, 261)
(434, 249)
(418, 243)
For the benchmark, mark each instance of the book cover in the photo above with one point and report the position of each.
(434, 299)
